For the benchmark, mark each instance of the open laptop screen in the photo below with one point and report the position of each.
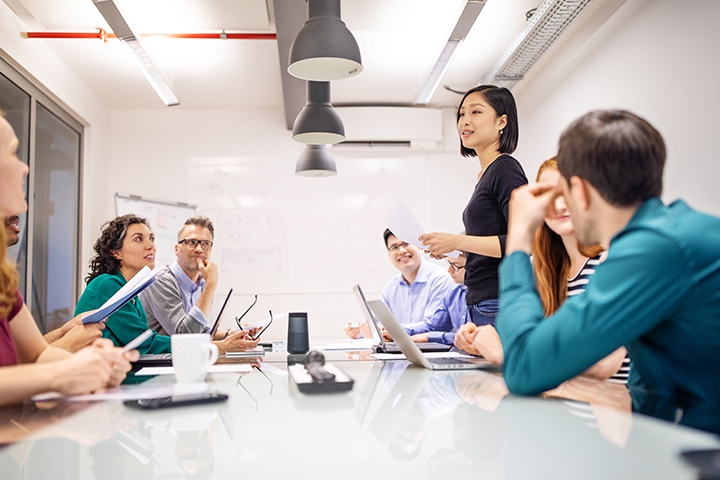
(220, 314)
(372, 322)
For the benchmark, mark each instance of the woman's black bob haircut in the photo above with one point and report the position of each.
(502, 101)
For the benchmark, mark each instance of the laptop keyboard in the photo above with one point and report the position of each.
(447, 361)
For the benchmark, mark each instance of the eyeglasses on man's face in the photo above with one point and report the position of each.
(456, 267)
(397, 246)
(192, 243)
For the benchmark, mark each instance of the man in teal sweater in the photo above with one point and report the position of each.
(658, 291)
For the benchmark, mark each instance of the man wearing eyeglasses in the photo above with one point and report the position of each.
(180, 301)
(416, 292)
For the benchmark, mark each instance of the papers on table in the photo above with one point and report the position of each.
(407, 228)
(255, 352)
(143, 279)
(362, 344)
(129, 392)
(266, 367)
(235, 367)
(400, 356)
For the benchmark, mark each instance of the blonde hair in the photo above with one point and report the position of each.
(8, 277)
(551, 261)
(8, 273)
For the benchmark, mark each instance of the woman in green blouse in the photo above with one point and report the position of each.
(125, 246)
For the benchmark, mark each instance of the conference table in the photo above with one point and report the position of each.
(398, 421)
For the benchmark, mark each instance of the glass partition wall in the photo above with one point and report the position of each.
(47, 251)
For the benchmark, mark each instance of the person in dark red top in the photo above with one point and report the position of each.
(22, 347)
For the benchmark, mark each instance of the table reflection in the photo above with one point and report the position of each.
(407, 421)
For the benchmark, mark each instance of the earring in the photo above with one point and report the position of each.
(501, 131)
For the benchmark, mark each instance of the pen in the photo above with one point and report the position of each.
(137, 341)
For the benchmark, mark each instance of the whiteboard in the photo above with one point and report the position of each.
(165, 220)
(279, 233)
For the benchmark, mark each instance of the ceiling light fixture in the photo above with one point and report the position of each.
(324, 49)
(318, 123)
(462, 27)
(546, 24)
(109, 10)
(315, 161)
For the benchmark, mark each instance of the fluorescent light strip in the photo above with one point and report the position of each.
(109, 10)
(438, 72)
(151, 73)
(462, 27)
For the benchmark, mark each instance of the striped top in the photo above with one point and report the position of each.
(576, 286)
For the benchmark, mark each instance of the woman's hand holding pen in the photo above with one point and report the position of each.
(438, 244)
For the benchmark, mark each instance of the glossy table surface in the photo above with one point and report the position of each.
(399, 421)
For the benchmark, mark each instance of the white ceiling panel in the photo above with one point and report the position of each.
(400, 40)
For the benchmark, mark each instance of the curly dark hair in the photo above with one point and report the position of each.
(112, 235)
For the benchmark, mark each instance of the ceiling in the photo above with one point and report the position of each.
(399, 40)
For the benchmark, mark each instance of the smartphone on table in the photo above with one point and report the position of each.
(176, 401)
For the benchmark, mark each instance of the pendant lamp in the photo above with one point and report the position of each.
(324, 49)
(318, 123)
(315, 161)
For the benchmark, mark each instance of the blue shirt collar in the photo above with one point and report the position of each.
(422, 276)
(185, 282)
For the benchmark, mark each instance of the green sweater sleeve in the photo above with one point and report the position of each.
(630, 293)
(126, 323)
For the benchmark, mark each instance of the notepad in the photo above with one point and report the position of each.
(143, 279)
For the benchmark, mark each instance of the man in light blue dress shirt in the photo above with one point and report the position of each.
(416, 292)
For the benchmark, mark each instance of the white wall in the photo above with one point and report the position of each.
(148, 156)
(656, 58)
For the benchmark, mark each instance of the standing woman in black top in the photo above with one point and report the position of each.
(488, 126)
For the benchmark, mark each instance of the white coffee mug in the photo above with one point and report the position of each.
(192, 354)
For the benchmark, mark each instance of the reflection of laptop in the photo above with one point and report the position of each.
(376, 330)
(398, 402)
(410, 349)
(155, 359)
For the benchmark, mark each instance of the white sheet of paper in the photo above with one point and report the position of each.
(130, 392)
(264, 323)
(363, 344)
(267, 368)
(225, 368)
(407, 228)
(400, 356)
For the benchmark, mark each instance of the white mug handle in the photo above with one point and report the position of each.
(214, 352)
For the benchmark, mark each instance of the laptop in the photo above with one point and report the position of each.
(157, 359)
(381, 346)
(411, 350)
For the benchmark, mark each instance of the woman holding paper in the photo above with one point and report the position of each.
(22, 347)
(127, 245)
(487, 122)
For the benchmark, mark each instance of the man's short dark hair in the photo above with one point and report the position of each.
(386, 234)
(199, 221)
(620, 154)
(502, 101)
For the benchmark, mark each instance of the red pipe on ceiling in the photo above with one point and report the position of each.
(103, 35)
